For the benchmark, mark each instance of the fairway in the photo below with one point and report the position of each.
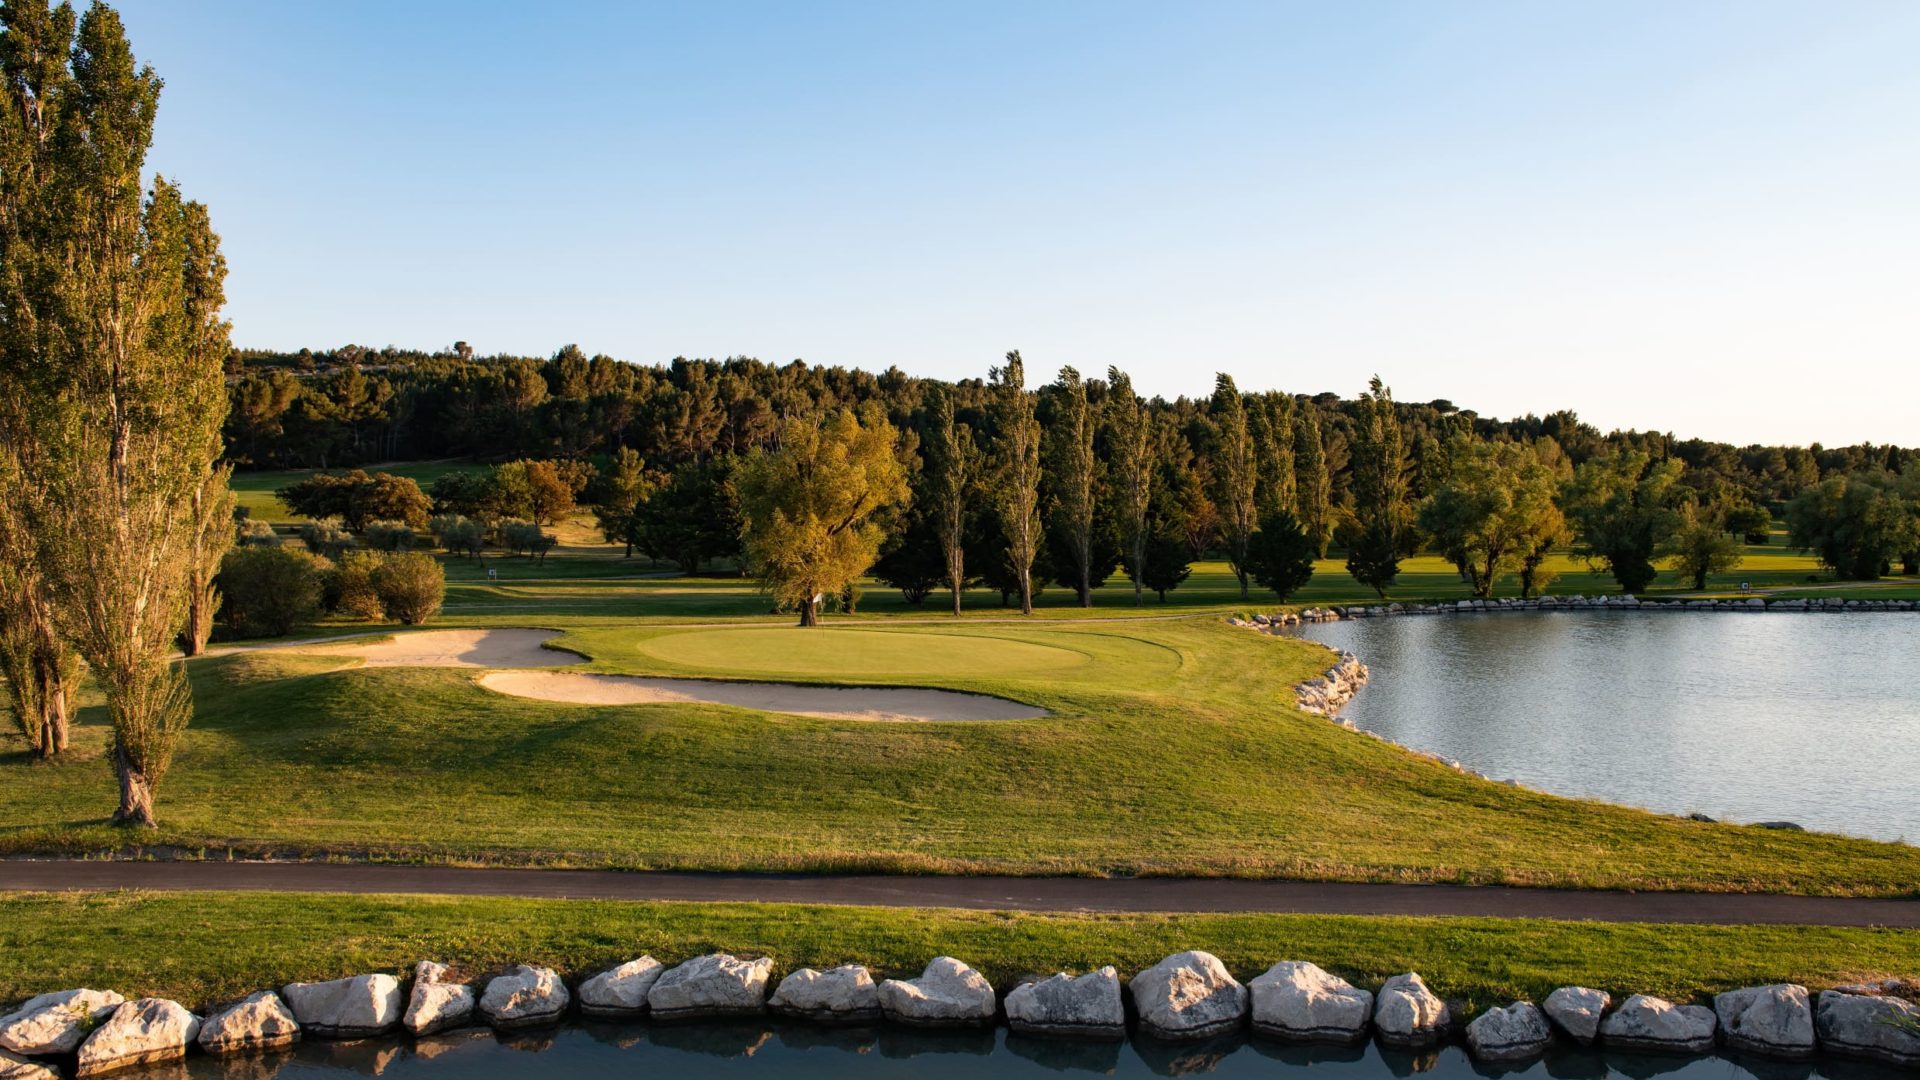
(862, 653)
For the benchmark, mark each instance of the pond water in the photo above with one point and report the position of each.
(1808, 718)
(699, 1051)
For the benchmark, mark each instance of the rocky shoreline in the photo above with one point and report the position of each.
(1187, 996)
(1744, 605)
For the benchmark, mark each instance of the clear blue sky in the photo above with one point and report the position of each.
(1693, 216)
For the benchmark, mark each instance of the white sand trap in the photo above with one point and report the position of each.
(459, 648)
(834, 702)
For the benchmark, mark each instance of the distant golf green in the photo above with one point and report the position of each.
(868, 653)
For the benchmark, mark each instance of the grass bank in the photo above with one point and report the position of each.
(205, 947)
(1172, 748)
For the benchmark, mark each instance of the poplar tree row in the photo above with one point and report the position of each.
(113, 512)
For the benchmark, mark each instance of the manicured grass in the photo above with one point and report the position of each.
(202, 948)
(1172, 748)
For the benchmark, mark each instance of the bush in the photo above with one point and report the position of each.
(411, 586)
(390, 536)
(269, 590)
(459, 534)
(327, 538)
(350, 588)
(254, 533)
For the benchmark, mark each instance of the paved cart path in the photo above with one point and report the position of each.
(978, 893)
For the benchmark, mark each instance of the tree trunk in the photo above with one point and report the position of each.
(810, 612)
(1140, 567)
(136, 795)
(1026, 590)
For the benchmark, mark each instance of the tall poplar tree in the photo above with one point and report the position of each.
(1016, 480)
(114, 339)
(1271, 417)
(41, 667)
(1235, 475)
(1313, 483)
(952, 476)
(1069, 443)
(1131, 434)
(1383, 514)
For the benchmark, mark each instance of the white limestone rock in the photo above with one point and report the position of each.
(350, 1008)
(1407, 1014)
(621, 992)
(1189, 995)
(1299, 1001)
(18, 1068)
(56, 1023)
(1649, 1023)
(1086, 1006)
(1518, 1032)
(1576, 1011)
(718, 984)
(144, 1032)
(1868, 1026)
(436, 1004)
(947, 994)
(1772, 1021)
(260, 1021)
(527, 996)
(841, 995)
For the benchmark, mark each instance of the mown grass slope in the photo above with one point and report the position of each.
(206, 947)
(1171, 749)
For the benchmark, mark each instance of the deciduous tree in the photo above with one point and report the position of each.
(1071, 468)
(1383, 516)
(808, 507)
(1622, 507)
(1016, 474)
(1130, 434)
(950, 481)
(1235, 475)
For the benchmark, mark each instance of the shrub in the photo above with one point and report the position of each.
(269, 590)
(350, 587)
(327, 539)
(254, 533)
(390, 536)
(459, 534)
(411, 586)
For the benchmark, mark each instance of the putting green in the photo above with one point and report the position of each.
(794, 651)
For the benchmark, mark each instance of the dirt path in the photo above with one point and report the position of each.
(977, 893)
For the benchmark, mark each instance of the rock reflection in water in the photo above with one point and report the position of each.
(783, 1050)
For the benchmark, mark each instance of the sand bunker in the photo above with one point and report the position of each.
(835, 702)
(458, 648)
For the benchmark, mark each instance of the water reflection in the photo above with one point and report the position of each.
(697, 1051)
(1806, 718)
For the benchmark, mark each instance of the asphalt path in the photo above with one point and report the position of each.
(976, 893)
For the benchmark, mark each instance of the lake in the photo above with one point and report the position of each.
(788, 1051)
(1808, 718)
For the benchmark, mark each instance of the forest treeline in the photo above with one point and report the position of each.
(1118, 483)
